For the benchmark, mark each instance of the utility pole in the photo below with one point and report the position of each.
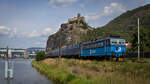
(138, 40)
(59, 48)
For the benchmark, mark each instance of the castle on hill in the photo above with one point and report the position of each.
(77, 19)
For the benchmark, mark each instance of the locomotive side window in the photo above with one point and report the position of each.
(107, 42)
(94, 45)
(102, 44)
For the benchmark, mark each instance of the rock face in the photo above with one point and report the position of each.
(69, 33)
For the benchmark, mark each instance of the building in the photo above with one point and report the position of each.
(34, 50)
(3, 52)
(13, 53)
(128, 45)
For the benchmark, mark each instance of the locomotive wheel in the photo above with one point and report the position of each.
(114, 59)
(118, 59)
(121, 59)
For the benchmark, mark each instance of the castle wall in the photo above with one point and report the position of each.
(78, 18)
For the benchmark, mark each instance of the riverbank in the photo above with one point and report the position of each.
(71, 71)
(57, 75)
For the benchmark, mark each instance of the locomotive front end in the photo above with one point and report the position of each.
(118, 47)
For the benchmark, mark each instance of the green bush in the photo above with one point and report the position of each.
(40, 56)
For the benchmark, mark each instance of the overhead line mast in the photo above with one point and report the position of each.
(138, 40)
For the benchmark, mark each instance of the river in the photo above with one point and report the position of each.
(24, 73)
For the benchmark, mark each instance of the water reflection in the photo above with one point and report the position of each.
(23, 73)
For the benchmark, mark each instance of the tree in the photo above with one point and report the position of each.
(148, 41)
(143, 39)
(40, 56)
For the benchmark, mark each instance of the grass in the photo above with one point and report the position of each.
(59, 76)
(72, 71)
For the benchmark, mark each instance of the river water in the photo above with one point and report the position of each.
(24, 73)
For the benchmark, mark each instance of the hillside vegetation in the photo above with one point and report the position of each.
(123, 25)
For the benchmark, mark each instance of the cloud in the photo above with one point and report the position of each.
(4, 30)
(47, 31)
(35, 33)
(82, 5)
(13, 33)
(9, 32)
(61, 3)
(113, 8)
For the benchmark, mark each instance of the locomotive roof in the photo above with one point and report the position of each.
(100, 39)
(92, 41)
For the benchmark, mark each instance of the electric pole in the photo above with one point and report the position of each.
(138, 40)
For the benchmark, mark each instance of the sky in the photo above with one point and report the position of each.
(28, 23)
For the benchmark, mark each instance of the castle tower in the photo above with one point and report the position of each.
(78, 18)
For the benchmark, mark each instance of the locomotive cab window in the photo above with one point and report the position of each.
(114, 41)
(117, 42)
(122, 42)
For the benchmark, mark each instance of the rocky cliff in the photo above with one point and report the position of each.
(68, 34)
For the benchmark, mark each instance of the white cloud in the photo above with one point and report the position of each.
(61, 3)
(35, 33)
(9, 32)
(47, 31)
(113, 8)
(13, 33)
(4, 30)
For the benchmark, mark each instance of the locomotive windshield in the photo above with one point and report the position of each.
(117, 41)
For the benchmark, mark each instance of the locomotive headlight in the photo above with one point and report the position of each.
(118, 49)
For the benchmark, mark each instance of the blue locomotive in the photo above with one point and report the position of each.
(109, 46)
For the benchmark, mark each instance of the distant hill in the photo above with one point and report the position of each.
(124, 24)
